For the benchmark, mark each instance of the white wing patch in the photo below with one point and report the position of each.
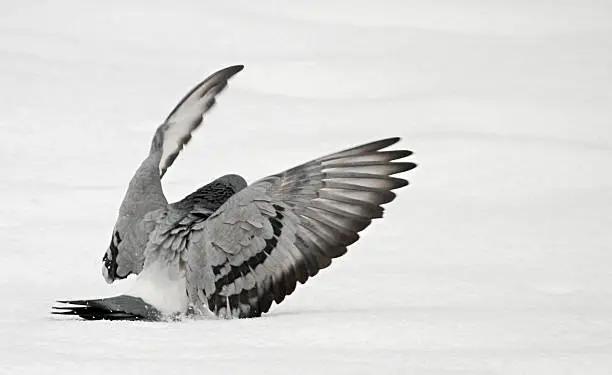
(188, 115)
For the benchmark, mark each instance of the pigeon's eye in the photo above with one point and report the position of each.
(116, 238)
(108, 263)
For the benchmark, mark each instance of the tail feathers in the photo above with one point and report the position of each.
(121, 307)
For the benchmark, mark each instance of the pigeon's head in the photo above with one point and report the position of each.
(122, 257)
(109, 268)
(124, 254)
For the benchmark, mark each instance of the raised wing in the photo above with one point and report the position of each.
(144, 195)
(176, 131)
(286, 227)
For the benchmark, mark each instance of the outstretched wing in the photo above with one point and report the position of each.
(286, 227)
(176, 131)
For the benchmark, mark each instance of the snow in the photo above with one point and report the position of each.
(495, 260)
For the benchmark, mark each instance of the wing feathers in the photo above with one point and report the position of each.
(353, 223)
(376, 169)
(366, 180)
(309, 243)
(187, 116)
(284, 228)
(357, 196)
(377, 157)
(365, 210)
(368, 147)
(216, 81)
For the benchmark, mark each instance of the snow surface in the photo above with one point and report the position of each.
(496, 260)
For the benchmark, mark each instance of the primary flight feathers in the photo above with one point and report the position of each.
(230, 249)
(188, 113)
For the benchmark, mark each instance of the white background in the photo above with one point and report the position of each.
(495, 260)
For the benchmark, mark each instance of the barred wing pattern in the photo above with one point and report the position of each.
(176, 224)
(187, 116)
(285, 228)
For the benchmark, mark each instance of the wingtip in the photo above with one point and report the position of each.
(398, 182)
(406, 166)
(400, 154)
(390, 141)
(231, 70)
(386, 142)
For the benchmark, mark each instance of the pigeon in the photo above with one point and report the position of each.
(230, 249)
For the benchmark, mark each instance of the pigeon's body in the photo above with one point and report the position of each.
(230, 249)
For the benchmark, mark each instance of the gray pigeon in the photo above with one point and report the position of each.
(231, 249)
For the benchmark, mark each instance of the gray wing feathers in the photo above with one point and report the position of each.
(180, 223)
(240, 263)
(284, 228)
(176, 131)
(174, 229)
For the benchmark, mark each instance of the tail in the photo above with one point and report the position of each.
(121, 307)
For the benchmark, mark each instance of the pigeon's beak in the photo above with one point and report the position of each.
(109, 268)
(107, 276)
